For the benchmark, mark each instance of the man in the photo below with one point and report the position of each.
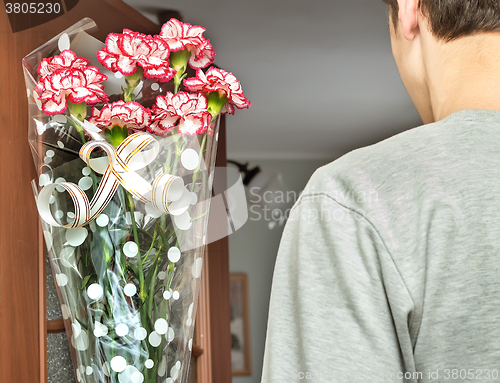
(389, 266)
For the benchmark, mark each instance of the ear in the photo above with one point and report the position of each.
(408, 18)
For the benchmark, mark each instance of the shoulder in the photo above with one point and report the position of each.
(364, 175)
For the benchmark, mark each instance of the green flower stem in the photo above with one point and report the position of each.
(79, 128)
(128, 94)
(163, 312)
(176, 162)
(166, 167)
(179, 61)
(163, 223)
(152, 285)
(151, 247)
(171, 234)
(142, 231)
(203, 184)
(82, 136)
(150, 375)
(132, 82)
(82, 324)
(76, 119)
(131, 205)
(178, 82)
(143, 315)
(162, 234)
(199, 217)
(179, 148)
(134, 269)
(176, 85)
(197, 170)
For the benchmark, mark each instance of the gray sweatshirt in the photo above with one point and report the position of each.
(388, 268)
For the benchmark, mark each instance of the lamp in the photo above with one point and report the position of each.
(266, 189)
(248, 174)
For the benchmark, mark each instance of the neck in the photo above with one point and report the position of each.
(464, 74)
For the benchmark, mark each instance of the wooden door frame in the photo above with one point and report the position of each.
(213, 323)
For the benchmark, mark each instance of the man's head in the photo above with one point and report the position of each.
(452, 19)
(429, 34)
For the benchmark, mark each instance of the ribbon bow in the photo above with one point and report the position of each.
(166, 193)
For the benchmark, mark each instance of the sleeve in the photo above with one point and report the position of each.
(334, 292)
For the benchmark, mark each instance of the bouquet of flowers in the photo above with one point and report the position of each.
(124, 187)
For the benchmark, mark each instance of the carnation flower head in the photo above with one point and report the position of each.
(219, 83)
(183, 36)
(186, 111)
(68, 78)
(66, 60)
(124, 52)
(131, 115)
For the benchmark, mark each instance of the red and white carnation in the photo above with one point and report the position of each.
(186, 111)
(66, 60)
(180, 36)
(125, 114)
(218, 80)
(124, 52)
(76, 85)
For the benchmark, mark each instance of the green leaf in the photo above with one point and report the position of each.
(82, 324)
(86, 280)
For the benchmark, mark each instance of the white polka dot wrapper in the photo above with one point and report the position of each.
(124, 220)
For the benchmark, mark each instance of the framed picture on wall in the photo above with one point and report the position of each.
(240, 332)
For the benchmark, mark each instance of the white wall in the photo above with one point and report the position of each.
(253, 249)
(320, 74)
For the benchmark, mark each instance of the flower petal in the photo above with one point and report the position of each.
(130, 114)
(126, 65)
(112, 43)
(55, 106)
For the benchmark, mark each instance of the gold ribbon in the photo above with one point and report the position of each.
(166, 193)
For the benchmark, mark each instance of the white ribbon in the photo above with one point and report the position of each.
(166, 193)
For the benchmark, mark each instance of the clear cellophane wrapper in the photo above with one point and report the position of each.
(127, 281)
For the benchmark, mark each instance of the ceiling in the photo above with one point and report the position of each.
(319, 73)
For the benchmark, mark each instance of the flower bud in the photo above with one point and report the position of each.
(216, 101)
(179, 60)
(79, 111)
(134, 79)
(116, 135)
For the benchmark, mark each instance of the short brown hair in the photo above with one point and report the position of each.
(451, 19)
